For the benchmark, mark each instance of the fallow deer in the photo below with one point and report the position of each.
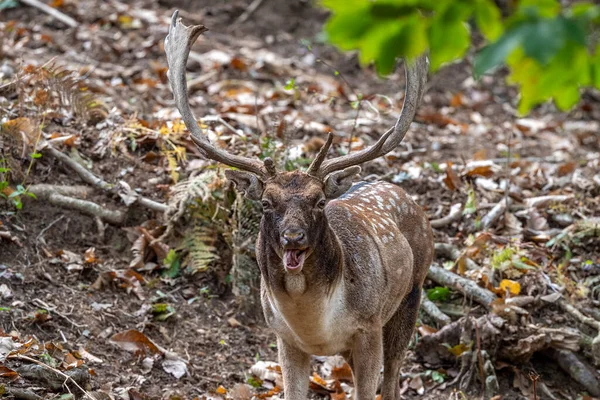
(341, 265)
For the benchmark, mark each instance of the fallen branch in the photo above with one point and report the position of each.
(53, 12)
(47, 193)
(433, 311)
(463, 285)
(22, 394)
(51, 376)
(88, 177)
(452, 252)
(579, 371)
(543, 201)
(453, 215)
(248, 13)
(495, 213)
(579, 315)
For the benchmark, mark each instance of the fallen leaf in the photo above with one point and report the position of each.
(221, 390)
(513, 287)
(459, 349)
(451, 180)
(135, 342)
(483, 170)
(566, 168)
(343, 373)
(8, 373)
(177, 367)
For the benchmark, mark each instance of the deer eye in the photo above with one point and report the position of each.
(321, 204)
(266, 204)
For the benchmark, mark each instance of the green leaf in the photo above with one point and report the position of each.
(36, 155)
(471, 204)
(172, 263)
(438, 377)
(494, 54)
(290, 84)
(438, 293)
(488, 19)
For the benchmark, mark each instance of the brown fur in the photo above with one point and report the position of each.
(358, 291)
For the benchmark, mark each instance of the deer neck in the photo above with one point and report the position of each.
(321, 272)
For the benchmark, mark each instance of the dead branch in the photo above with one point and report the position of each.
(433, 311)
(88, 177)
(47, 193)
(453, 215)
(43, 190)
(247, 13)
(53, 12)
(452, 252)
(579, 315)
(463, 285)
(579, 371)
(543, 201)
(51, 376)
(22, 394)
(83, 172)
(495, 213)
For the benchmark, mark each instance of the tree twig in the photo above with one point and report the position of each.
(115, 217)
(49, 368)
(453, 215)
(463, 285)
(433, 311)
(53, 12)
(495, 213)
(247, 13)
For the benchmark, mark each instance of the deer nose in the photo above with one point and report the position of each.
(293, 236)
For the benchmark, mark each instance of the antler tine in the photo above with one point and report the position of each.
(316, 164)
(178, 44)
(416, 77)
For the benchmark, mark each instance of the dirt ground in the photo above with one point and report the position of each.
(56, 298)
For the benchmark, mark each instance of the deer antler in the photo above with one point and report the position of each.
(416, 76)
(178, 43)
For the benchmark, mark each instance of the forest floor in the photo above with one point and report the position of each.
(87, 291)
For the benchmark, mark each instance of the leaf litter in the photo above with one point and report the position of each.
(525, 228)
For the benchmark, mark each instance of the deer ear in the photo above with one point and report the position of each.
(337, 183)
(247, 183)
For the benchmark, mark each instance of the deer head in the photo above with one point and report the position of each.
(293, 202)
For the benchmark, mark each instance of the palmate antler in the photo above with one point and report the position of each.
(178, 43)
(177, 47)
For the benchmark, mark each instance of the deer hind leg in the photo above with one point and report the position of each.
(396, 336)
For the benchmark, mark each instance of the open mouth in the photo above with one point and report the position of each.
(293, 259)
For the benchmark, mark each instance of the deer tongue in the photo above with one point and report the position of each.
(293, 259)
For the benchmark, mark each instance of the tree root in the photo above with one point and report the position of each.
(52, 378)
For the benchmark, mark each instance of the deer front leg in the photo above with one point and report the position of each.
(295, 367)
(367, 357)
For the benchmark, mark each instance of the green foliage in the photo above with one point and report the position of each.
(549, 50)
(438, 293)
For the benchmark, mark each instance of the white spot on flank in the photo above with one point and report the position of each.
(385, 239)
(396, 195)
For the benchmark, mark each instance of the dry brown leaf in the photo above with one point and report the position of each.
(8, 373)
(135, 341)
(426, 330)
(457, 100)
(566, 168)
(451, 180)
(483, 170)
(343, 373)
(513, 287)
